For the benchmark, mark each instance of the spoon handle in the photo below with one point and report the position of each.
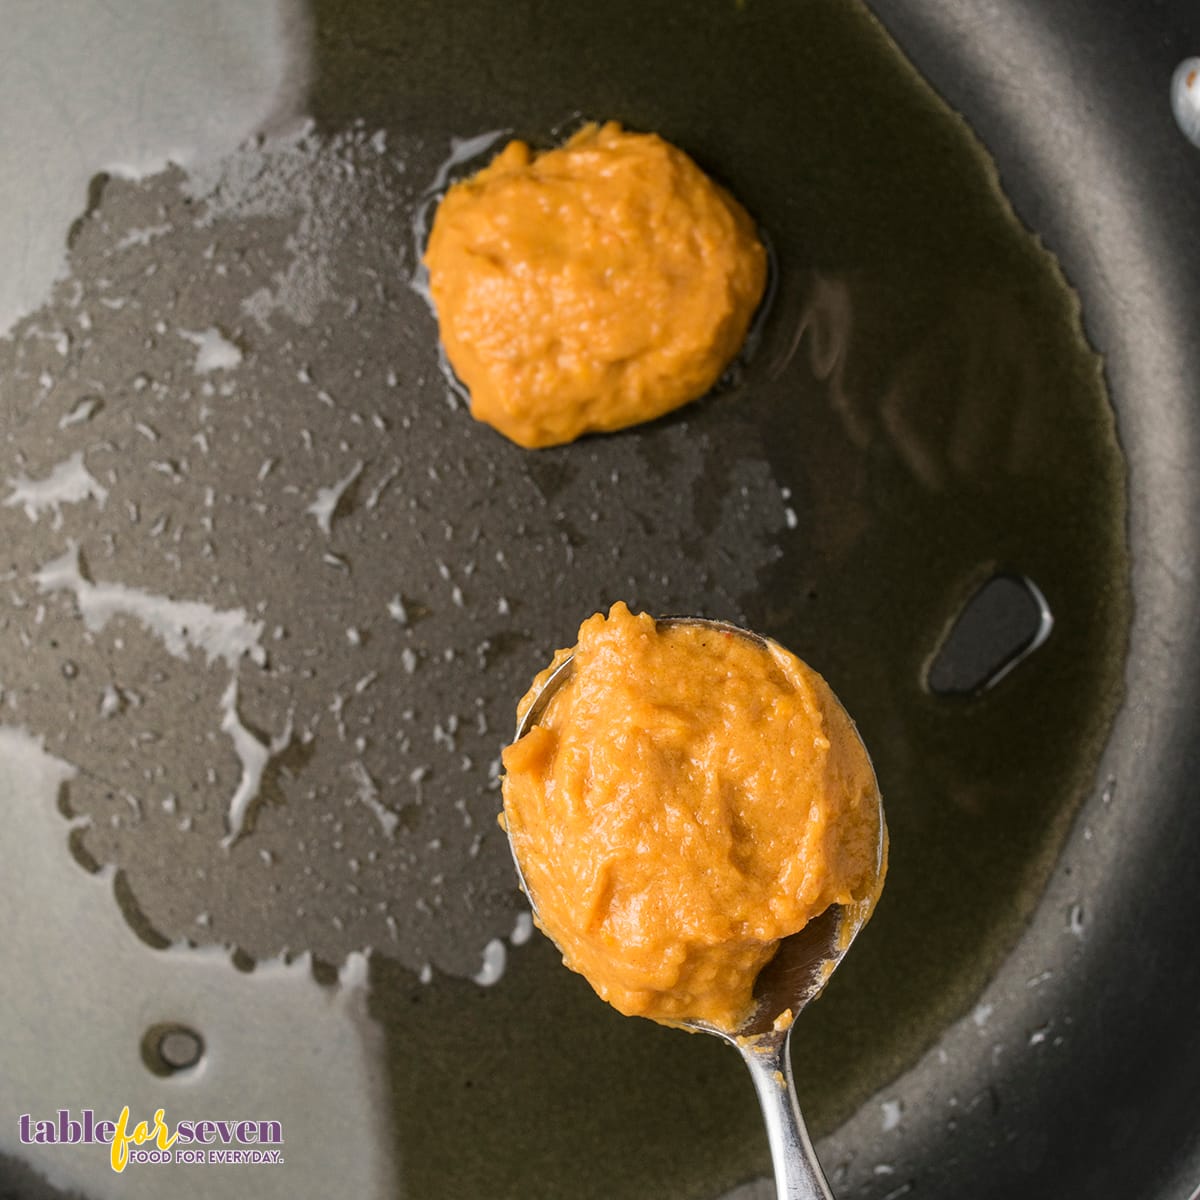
(798, 1174)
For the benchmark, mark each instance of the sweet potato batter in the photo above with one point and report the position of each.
(590, 287)
(687, 799)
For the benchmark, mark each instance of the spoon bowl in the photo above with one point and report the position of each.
(794, 976)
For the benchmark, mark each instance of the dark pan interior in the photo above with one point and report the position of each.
(1072, 101)
(926, 407)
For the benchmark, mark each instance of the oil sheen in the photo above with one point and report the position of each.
(927, 403)
(921, 410)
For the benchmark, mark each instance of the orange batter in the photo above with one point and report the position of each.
(687, 799)
(591, 287)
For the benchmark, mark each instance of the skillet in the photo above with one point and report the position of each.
(873, 201)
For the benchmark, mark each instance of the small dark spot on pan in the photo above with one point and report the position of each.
(169, 1047)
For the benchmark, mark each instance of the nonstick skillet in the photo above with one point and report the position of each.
(953, 471)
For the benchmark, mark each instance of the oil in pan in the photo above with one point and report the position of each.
(252, 387)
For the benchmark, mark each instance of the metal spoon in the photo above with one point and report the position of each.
(796, 975)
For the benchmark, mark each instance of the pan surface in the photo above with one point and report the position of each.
(1073, 103)
(264, 411)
